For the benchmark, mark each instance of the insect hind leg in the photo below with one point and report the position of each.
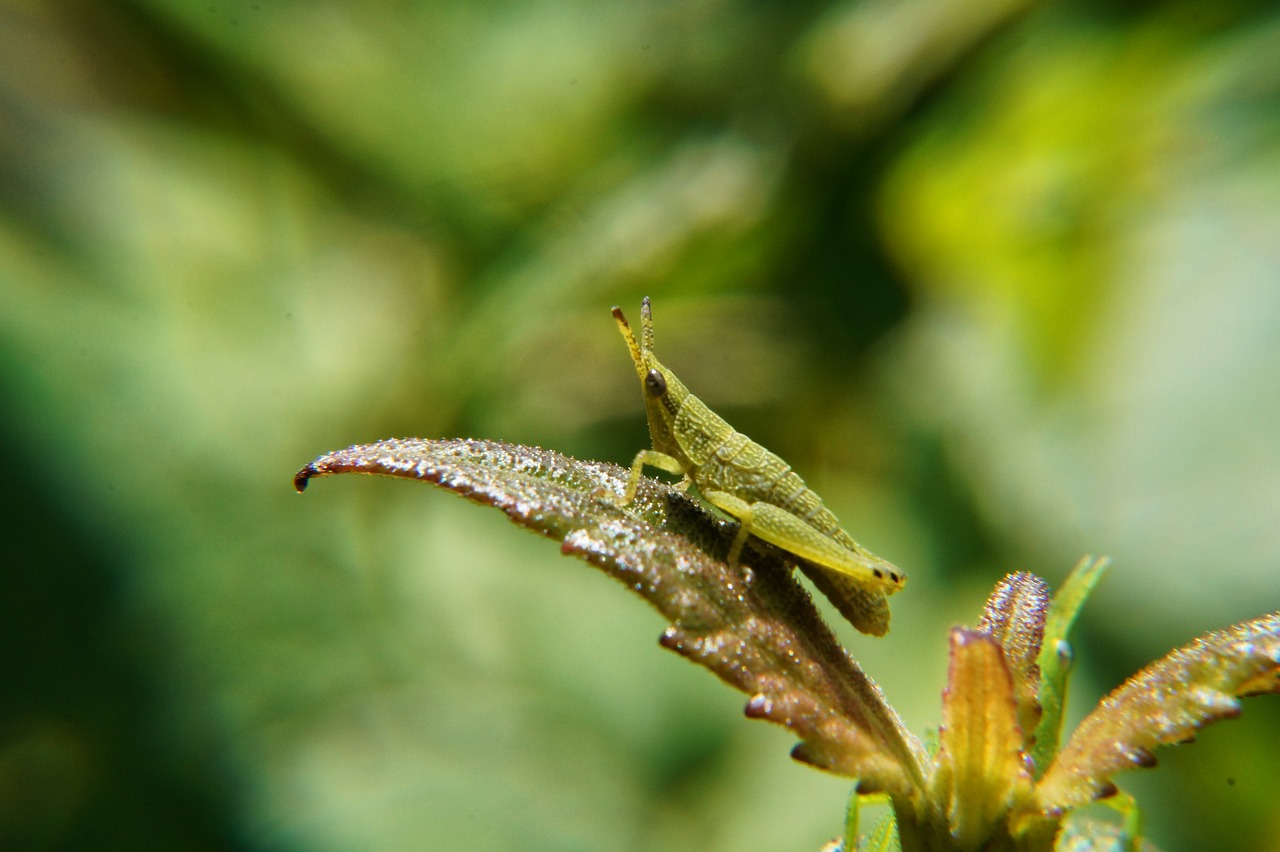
(794, 535)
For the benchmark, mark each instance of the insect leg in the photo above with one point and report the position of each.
(849, 582)
(794, 535)
(652, 458)
(738, 508)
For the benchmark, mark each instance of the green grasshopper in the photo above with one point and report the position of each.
(759, 489)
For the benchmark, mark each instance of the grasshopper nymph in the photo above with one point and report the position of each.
(746, 481)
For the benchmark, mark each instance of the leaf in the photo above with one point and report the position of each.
(980, 770)
(1167, 702)
(752, 625)
(1055, 655)
(1015, 616)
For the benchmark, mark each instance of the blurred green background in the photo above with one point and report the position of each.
(1001, 279)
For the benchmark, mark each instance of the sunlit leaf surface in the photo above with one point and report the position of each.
(752, 624)
(1167, 702)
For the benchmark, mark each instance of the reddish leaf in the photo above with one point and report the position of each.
(753, 625)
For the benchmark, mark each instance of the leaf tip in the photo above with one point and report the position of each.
(301, 477)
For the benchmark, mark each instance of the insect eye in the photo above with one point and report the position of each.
(655, 383)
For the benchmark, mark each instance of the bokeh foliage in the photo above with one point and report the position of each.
(998, 278)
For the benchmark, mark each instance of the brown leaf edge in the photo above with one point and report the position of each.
(752, 625)
(1165, 703)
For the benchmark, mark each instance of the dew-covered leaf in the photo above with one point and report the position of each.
(1014, 616)
(753, 625)
(1167, 702)
(1055, 655)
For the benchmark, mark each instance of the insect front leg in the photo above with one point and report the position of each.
(652, 458)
